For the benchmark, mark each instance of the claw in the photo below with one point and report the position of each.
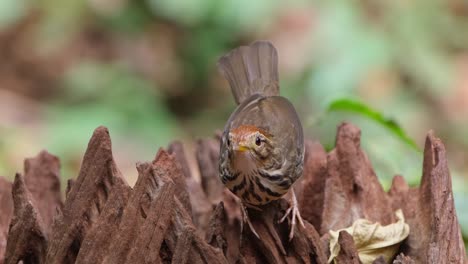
(293, 210)
(245, 218)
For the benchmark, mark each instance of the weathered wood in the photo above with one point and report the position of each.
(42, 178)
(348, 252)
(402, 259)
(207, 154)
(352, 189)
(224, 229)
(85, 201)
(435, 235)
(157, 191)
(180, 177)
(313, 183)
(165, 217)
(199, 203)
(149, 205)
(6, 209)
(69, 186)
(445, 240)
(310, 250)
(95, 245)
(215, 234)
(201, 251)
(379, 260)
(274, 245)
(27, 240)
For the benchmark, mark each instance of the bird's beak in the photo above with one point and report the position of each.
(240, 148)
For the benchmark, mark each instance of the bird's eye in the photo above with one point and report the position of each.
(258, 141)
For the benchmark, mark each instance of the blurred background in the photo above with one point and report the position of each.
(146, 69)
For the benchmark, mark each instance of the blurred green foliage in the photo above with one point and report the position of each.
(146, 70)
(349, 105)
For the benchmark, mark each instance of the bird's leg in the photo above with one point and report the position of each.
(245, 218)
(295, 214)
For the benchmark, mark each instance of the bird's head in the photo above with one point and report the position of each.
(250, 141)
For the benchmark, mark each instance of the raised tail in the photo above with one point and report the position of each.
(251, 70)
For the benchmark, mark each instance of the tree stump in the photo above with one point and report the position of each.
(169, 216)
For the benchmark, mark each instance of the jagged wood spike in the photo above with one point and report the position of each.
(435, 235)
(348, 253)
(200, 205)
(312, 186)
(6, 209)
(27, 239)
(105, 221)
(352, 190)
(42, 178)
(95, 245)
(85, 200)
(146, 214)
(207, 154)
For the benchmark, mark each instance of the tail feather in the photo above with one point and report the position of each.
(251, 70)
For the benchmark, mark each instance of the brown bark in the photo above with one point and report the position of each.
(42, 178)
(199, 203)
(348, 252)
(165, 217)
(27, 240)
(96, 243)
(435, 235)
(6, 209)
(352, 189)
(145, 218)
(313, 183)
(207, 155)
(85, 200)
(402, 259)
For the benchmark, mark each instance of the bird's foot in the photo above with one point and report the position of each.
(293, 210)
(245, 219)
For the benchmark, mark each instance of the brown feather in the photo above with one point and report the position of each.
(251, 70)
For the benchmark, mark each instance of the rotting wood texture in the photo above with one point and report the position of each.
(171, 216)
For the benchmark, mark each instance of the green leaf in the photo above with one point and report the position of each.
(349, 105)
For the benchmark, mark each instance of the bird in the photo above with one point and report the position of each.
(262, 145)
